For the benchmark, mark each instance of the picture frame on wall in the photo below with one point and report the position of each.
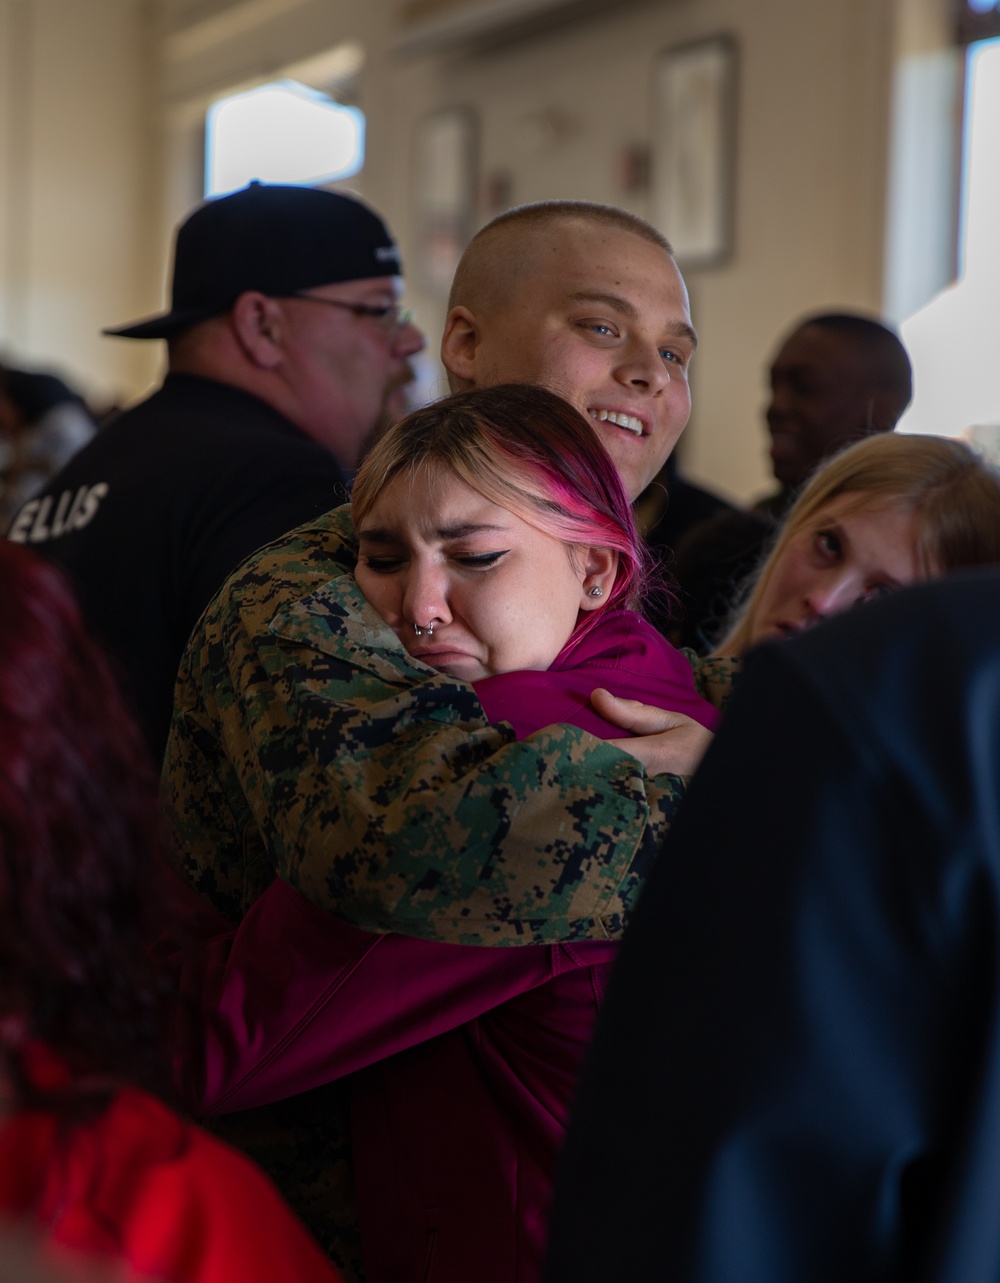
(445, 184)
(693, 149)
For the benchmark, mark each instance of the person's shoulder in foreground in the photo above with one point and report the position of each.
(807, 1003)
(371, 757)
(140, 1184)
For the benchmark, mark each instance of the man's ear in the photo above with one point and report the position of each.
(261, 328)
(459, 349)
(600, 565)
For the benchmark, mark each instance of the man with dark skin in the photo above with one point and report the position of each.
(836, 378)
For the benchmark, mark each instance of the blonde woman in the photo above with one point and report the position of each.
(888, 511)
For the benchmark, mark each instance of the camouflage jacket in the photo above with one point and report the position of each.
(309, 745)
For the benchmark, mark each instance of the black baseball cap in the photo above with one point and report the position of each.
(270, 238)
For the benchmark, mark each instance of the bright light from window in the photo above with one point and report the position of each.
(952, 341)
(281, 133)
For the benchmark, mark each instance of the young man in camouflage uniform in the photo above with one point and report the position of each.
(309, 746)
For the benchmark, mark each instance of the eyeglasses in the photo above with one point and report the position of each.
(390, 316)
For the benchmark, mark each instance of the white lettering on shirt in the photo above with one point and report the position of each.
(31, 523)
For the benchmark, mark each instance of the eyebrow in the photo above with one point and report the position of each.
(677, 329)
(379, 534)
(823, 517)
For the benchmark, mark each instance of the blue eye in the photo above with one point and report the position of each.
(602, 329)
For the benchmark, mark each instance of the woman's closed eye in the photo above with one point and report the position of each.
(390, 565)
(481, 560)
(383, 565)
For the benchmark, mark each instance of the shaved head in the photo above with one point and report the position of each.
(585, 300)
(508, 251)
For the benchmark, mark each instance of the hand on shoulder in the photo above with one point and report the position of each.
(665, 743)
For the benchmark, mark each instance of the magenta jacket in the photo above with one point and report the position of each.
(620, 652)
(467, 1056)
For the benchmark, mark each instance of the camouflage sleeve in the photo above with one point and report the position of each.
(308, 744)
(715, 676)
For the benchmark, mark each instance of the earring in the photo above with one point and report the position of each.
(596, 591)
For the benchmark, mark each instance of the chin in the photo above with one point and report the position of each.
(763, 632)
(791, 476)
(465, 670)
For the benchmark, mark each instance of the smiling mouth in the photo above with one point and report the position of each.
(627, 421)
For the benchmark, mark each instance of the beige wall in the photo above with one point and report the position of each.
(116, 106)
(74, 172)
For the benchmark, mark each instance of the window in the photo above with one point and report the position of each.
(283, 132)
(951, 341)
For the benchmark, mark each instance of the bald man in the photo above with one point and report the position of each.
(282, 761)
(585, 300)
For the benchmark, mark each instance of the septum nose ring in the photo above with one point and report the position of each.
(420, 632)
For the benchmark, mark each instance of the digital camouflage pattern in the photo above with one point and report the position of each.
(308, 744)
(714, 676)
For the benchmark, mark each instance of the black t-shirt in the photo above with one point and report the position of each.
(150, 518)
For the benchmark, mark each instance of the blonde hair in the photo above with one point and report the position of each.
(955, 492)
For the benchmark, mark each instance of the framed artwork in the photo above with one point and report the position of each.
(693, 149)
(445, 192)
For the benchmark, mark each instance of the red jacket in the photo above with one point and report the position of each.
(140, 1185)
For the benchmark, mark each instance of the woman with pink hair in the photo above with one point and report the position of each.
(497, 542)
